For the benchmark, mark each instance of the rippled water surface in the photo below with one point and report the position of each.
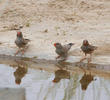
(55, 84)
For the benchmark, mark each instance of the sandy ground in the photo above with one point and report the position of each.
(48, 21)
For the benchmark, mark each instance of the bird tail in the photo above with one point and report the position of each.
(27, 40)
(68, 46)
(71, 44)
(94, 47)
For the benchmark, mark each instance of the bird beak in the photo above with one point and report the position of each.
(55, 44)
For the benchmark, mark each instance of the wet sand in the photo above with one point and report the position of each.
(45, 23)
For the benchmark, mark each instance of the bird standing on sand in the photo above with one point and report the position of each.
(21, 42)
(62, 50)
(87, 49)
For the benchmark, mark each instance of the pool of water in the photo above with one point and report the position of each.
(56, 83)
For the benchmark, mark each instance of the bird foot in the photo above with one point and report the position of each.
(57, 57)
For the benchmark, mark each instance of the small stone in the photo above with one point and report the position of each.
(57, 33)
(46, 30)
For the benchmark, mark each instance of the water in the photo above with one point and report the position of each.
(45, 80)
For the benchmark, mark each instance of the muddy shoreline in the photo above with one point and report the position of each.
(53, 65)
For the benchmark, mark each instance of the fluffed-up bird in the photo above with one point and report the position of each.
(62, 50)
(87, 49)
(21, 42)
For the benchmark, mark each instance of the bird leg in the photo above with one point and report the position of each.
(83, 58)
(26, 47)
(17, 52)
(90, 59)
(20, 50)
(58, 57)
(23, 52)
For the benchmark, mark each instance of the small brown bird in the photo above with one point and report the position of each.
(19, 74)
(21, 42)
(87, 49)
(62, 50)
(61, 74)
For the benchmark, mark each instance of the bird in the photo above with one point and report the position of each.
(61, 74)
(20, 42)
(87, 49)
(62, 50)
(20, 73)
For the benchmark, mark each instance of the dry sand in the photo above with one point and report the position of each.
(47, 21)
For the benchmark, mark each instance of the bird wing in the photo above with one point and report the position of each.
(92, 48)
(25, 41)
(67, 47)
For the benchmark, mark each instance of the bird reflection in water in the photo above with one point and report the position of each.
(86, 80)
(20, 71)
(63, 65)
(61, 73)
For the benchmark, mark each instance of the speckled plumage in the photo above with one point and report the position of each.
(62, 50)
(87, 48)
(20, 41)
